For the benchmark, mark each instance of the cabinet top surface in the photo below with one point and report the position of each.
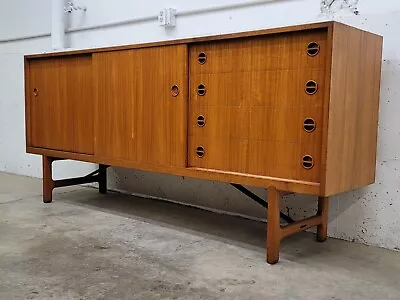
(294, 28)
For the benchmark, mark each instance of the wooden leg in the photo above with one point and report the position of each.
(322, 229)
(102, 179)
(276, 232)
(48, 183)
(273, 226)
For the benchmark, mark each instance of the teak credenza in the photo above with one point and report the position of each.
(293, 110)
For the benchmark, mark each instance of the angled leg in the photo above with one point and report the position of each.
(103, 179)
(273, 226)
(48, 183)
(322, 229)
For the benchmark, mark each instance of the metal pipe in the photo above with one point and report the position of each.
(189, 12)
(57, 24)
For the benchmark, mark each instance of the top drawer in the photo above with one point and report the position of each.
(294, 50)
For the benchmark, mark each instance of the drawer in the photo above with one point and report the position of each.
(227, 154)
(297, 161)
(290, 125)
(219, 122)
(285, 160)
(274, 88)
(228, 89)
(296, 50)
(286, 124)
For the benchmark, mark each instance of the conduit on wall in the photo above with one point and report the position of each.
(57, 24)
(58, 20)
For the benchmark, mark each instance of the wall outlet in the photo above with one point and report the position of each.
(167, 17)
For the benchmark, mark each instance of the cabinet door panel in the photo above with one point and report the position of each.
(164, 125)
(137, 116)
(114, 93)
(61, 95)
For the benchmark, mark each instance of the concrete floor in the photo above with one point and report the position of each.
(90, 246)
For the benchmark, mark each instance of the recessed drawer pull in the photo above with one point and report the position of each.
(308, 162)
(313, 49)
(200, 151)
(201, 121)
(174, 90)
(35, 92)
(201, 90)
(309, 125)
(311, 87)
(202, 58)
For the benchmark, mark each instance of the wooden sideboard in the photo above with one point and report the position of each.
(293, 110)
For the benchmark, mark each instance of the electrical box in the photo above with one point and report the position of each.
(167, 17)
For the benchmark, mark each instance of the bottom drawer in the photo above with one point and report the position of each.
(295, 161)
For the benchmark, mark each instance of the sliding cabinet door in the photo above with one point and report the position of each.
(141, 109)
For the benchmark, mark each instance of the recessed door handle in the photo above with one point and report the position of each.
(175, 90)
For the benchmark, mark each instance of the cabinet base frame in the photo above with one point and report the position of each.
(276, 232)
(99, 176)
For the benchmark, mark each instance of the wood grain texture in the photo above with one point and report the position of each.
(353, 110)
(301, 225)
(137, 117)
(48, 183)
(273, 226)
(277, 232)
(114, 93)
(284, 51)
(255, 104)
(325, 116)
(28, 138)
(60, 96)
(323, 211)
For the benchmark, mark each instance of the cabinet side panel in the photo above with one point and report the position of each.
(353, 109)
(27, 104)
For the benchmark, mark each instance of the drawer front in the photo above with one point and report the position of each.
(284, 51)
(227, 154)
(299, 161)
(219, 122)
(256, 105)
(290, 125)
(274, 88)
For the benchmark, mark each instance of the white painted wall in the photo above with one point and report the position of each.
(368, 215)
